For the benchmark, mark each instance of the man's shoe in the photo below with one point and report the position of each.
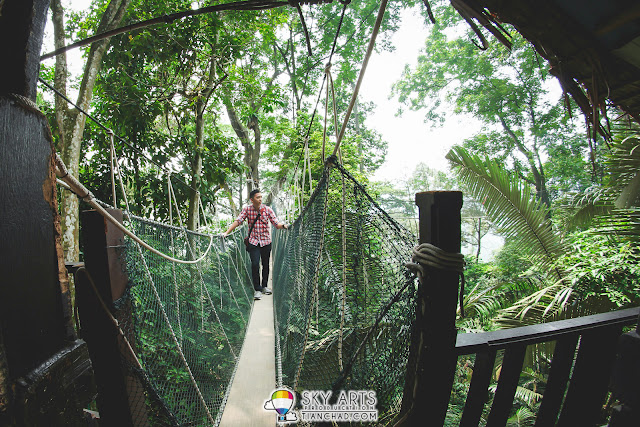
(266, 291)
(257, 295)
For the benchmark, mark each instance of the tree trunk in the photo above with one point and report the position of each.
(538, 174)
(202, 99)
(234, 208)
(275, 190)
(479, 239)
(70, 122)
(251, 151)
(192, 217)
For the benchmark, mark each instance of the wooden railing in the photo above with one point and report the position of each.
(590, 357)
(582, 361)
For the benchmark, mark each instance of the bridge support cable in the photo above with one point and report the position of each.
(164, 307)
(367, 56)
(343, 302)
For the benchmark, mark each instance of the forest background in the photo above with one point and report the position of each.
(227, 101)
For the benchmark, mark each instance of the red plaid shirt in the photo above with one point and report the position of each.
(261, 233)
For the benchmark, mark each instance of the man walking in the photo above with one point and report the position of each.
(258, 217)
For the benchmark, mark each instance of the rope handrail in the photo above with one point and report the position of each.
(86, 195)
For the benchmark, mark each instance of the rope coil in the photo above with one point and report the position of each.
(428, 255)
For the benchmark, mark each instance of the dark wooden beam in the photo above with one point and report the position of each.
(432, 358)
(625, 380)
(22, 25)
(45, 374)
(101, 261)
(624, 17)
(533, 334)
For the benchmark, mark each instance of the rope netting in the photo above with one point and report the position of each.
(344, 301)
(185, 322)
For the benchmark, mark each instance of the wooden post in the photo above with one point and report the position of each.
(45, 373)
(625, 381)
(432, 357)
(120, 398)
(22, 22)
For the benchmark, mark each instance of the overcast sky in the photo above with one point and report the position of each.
(411, 140)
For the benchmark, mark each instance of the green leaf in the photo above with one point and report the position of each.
(513, 209)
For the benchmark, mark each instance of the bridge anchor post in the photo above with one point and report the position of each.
(120, 395)
(432, 357)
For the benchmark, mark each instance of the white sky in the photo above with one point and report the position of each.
(411, 140)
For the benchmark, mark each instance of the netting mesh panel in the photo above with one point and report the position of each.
(330, 287)
(186, 323)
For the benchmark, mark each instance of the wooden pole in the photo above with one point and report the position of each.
(432, 358)
(45, 374)
(625, 381)
(22, 22)
(120, 398)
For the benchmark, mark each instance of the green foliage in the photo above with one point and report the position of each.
(603, 271)
(511, 206)
(524, 129)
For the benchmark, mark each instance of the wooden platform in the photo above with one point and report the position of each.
(255, 377)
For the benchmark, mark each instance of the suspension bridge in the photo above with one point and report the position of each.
(176, 339)
(195, 349)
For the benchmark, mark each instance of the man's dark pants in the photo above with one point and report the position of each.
(257, 253)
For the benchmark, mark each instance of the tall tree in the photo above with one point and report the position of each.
(253, 90)
(159, 88)
(507, 90)
(70, 122)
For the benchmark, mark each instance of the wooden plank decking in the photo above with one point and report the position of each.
(255, 377)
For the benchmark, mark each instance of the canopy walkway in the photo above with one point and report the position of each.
(255, 378)
(335, 274)
(192, 348)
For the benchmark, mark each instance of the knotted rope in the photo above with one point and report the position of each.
(428, 255)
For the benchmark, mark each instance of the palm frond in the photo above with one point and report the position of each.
(619, 222)
(623, 155)
(485, 302)
(523, 417)
(510, 204)
(548, 304)
(578, 210)
(529, 397)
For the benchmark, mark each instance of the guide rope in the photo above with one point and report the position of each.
(86, 195)
(354, 96)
